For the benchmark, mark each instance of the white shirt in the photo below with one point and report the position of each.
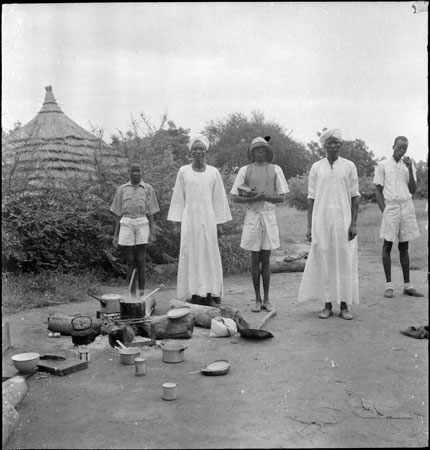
(394, 177)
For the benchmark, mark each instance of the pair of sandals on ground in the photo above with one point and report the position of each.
(258, 306)
(389, 292)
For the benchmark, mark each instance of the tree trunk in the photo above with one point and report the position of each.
(204, 314)
(61, 323)
(166, 328)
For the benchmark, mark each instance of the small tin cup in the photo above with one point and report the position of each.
(140, 366)
(84, 354)
(170, 391)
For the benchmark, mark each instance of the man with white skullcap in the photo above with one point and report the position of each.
(260, 230)
(331, 271)
(199, 203)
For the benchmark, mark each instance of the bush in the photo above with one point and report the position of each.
(298, 195)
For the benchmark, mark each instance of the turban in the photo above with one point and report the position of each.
(332, 132)
(261, 142)
(199, 138)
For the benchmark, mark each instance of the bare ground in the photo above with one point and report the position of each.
(317, 383)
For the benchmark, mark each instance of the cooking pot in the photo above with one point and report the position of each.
(127, 355)
(109, 303)
(172, 353)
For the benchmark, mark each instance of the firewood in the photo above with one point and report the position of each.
(204, 314)
(166, 328)
(62, 323)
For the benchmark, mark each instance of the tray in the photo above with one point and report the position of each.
(61, 368)
(218, 367)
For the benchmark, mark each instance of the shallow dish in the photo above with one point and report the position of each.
(218, 367)
(180, 311)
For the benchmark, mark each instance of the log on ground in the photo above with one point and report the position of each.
(204, 314)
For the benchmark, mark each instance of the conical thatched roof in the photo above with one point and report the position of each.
(53, 146)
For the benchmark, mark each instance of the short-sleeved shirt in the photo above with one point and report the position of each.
(135, 201)
(394, 177)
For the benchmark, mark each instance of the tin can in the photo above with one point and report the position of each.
(84, 354)
(140, 366)
(170, 391)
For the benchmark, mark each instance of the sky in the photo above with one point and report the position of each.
(358, 66)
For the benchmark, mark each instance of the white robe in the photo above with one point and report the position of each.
(199, 201)
(331, 271)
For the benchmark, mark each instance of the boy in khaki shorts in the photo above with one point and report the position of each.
(134, 206)
(260, 229)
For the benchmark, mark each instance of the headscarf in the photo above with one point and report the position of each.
(261, 142)
(199, 138)
(332, 132)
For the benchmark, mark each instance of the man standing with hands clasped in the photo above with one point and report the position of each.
(395, 184)
(331, 271)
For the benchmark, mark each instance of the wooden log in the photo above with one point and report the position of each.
(277, 266)
(166, 328)
(13, 391)
(62, 323)
(9, 419)
(204, 314)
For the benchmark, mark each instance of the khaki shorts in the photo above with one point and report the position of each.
(133, 231)
(260, 230)
(399, 222)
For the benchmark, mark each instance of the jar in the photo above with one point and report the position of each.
(140, 366)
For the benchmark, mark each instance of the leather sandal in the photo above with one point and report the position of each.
(267, 306)
(325, 313)
(256, 307)
(389, 293)
(413, 292)
(345, 314)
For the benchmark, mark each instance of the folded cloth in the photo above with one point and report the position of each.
(417, 333)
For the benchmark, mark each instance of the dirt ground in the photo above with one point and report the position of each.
(318, 383)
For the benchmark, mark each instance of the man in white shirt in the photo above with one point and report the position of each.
(395, 184)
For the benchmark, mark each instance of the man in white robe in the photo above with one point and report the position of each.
(199, 202)
(331, 271)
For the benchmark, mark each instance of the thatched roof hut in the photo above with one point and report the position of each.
(52, 146)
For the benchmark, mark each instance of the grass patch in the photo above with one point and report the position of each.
(21, 292)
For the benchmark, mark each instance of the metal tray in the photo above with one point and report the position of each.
(217, 367)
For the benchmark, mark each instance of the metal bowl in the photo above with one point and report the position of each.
(26, 362)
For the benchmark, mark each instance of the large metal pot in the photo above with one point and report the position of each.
(172, 352)
(109, 303)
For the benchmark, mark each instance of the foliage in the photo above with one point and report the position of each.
(422, 180)
(298, 195)
(232, 136)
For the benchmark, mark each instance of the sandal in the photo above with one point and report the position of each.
(325, 313)
(413, 292)
(267, 306)
(256, 307)
(345, 314)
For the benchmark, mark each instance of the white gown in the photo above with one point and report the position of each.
(331, 271)
(199, 202)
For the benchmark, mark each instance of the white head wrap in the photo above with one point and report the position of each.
(200, 138)
(332, 132)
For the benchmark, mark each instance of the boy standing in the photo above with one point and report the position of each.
(134, 206)
(260, 229)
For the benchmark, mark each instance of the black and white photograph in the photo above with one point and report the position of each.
(215, 225)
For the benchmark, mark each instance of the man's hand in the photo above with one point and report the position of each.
(352, 232)
(309, 235)
(407, 161)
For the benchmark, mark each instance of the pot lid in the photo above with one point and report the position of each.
(180, 311)
(111, 297)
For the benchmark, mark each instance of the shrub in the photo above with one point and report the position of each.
(297, 197)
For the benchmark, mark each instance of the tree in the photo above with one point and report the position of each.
(232, 136)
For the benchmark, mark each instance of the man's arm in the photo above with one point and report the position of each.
(116, 232)
(310, 211)
(238, 199)
(352, 232)
(380, 197)
(412, 185)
